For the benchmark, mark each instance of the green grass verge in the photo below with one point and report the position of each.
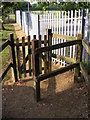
(8, 30)
(5, 53)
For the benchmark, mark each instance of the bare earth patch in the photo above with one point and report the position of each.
(60, 98)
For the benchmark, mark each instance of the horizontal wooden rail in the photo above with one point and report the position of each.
(70, 38)
(57, 46)
(64, 58)
(26, 43)
(5, 71)
(86, 46)
(84, 72)
(4, 45)
(67, 59)
(27, 71)
(56, 72)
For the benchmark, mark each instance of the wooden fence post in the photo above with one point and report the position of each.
(40, 56)
(13, 58)
(35, 68)
(78, 58)
(23, 50)
(49, 38)
(29, 54)
(18, 57)
(45, 54)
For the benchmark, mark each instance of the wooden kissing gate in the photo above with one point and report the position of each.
(39, 56)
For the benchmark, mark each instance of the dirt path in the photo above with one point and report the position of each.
(19, 31)
(60, 97)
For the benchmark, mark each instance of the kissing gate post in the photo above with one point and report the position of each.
(37, 56)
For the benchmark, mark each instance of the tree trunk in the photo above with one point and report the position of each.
(3, 27)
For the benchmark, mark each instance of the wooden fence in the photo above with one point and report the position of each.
(76, 63)
(12, 62)
(39, 58)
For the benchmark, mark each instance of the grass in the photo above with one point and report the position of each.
(5, 53)
(12, 17)
(8, 29)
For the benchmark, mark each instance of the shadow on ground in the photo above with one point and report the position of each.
(19, 100)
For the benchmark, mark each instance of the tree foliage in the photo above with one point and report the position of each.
(8, 7)
(62, 6)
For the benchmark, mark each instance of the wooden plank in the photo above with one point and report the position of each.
(69, 38)
(86, 46)
(77, 58)
(13, 57)
(23, 50)
(26, 43)
(61, 45)
(50, 54)
(18, 57)
(49, 39)
(56, 72)
(40, 56)
(5, 71)
(27, 71)
(35, 68)
(45, 54)
(29, 55)
(4, 45)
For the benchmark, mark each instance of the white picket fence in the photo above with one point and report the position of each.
(28, 22)
(61, 22)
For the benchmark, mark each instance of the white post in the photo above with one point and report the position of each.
(75, 25)
(62, 39)
(57, 33)
(59, 29)
(65, 34)
(52, 32)
(71, 32)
